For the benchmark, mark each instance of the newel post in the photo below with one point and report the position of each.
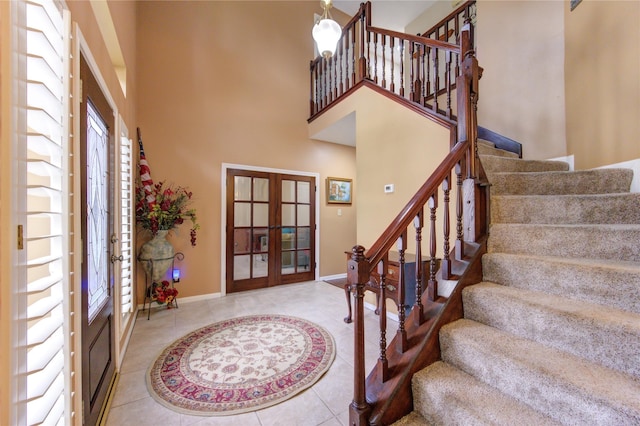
(475, 191)
(358, 276)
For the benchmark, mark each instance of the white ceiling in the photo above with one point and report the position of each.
(387, 14)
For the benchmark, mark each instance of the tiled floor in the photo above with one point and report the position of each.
(326, 403)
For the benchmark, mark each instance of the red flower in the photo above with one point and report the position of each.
(163, 293)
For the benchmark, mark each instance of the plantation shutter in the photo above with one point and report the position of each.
(46, 230)
(126, 231)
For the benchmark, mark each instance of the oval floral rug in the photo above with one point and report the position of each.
(239, 365)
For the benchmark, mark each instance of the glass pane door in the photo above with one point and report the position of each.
(270, 229)
(296, 231)
(250, 227)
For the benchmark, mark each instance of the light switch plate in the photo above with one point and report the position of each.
(389, 188)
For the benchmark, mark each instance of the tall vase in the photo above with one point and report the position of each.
(156, 256)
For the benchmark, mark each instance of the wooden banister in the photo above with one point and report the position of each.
(437, 70)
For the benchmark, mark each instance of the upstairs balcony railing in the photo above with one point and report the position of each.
(419, 68)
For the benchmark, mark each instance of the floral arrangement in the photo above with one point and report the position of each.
(170, 207)
(164, 293)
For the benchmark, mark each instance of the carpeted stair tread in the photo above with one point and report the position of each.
(595, 181)
(601, 334)
(412, 419)
(615, 242)
(496, 163)
(556, 383)
(445, 395)
(486, 149)
(621, 208)
(486, 143)
(608, 282)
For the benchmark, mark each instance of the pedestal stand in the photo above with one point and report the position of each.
(148, 284)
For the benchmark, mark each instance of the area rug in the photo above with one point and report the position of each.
(240, 365)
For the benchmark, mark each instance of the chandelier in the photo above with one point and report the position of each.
(326, 32)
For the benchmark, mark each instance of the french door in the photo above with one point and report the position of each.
(270, 229)
(97, 158)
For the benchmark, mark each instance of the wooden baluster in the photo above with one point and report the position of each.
(324, 83)
(402, 68)
(368, 54)
(364, 23)
(384, 62)
(433, 284)
(393, 78)
(340, 67)
(446, 261)
(436, 80)
(427, 86)
(375, 58)
(329, 81)
(335, 77)
(358, 276)
(353, 55)
(312, 89)
(383, 363)
(418, 224)
(402, 333)
(447, 75)
(459, 254)
(413, 60)
(424, 78)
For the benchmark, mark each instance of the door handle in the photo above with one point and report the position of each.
(114, 258)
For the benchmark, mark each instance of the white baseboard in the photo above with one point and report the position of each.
(333, 277)
(568, 159)
(372, 307)
(633, 165)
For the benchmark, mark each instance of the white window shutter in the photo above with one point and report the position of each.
(46, 229)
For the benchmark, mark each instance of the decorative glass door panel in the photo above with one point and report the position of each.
(270, 229)
(97, 212)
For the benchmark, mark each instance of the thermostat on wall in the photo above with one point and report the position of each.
(388, 188)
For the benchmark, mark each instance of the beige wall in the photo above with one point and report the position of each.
(520, 45)
(123, 14)
(394, 146)
(228, 82)
(603, 82)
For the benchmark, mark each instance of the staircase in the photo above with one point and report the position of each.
(552, 334)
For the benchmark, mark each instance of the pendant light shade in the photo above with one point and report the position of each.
(326, 32)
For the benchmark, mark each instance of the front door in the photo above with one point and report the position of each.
(270, 229)
(97, 142)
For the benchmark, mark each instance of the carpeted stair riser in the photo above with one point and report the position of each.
(486, 149)
(596, 181)
(604, 335)
(615, 242)
(496, 163)
(560, 385)
(569, 209)
(445, 395)
(610, 283)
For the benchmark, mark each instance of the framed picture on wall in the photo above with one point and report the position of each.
(339, 190)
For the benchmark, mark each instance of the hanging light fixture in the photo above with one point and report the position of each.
(326, 32)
